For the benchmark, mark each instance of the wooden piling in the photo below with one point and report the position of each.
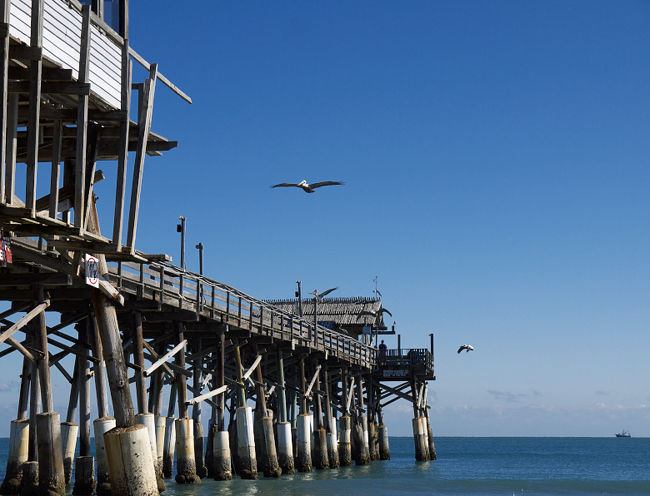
(284, 440)
(319, 450)
(267, 457)
(246, 459)
(199, 436)
(221, 441)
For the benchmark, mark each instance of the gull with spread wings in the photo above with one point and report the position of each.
(306, 187)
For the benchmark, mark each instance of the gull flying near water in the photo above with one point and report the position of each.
(324, 293)
(374, 314)
(466, 347)
(306, 187)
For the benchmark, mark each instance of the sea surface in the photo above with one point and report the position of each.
(474, 466)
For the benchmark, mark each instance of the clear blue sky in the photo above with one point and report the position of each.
(495, 156)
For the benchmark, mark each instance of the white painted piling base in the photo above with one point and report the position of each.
(421, 448)
(51, 480)
(221, 450)
(160, 439)
(69, 433)
(425, 436)
(100, 427)
(332, 445)
(149, 421)
(169, 447)
(131, 466)
(285, 447)
(345, 446)
(17, 456)
(185, 461)
(366, 439)
(246, 444)
(359, 448)
(384, 446)
(303, 435)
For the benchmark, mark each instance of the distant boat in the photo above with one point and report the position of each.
(623, 433)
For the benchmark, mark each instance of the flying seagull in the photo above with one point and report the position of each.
(306, 187)
(324, 293)
(466, 347)
(374, 314)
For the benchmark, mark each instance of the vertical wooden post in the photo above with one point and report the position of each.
(84, 391)
(4, 80)
(82, 124)
(100, 370)
(144, 126)
(123, 152)
(34, 397)
(35, 72)
(55, 176)
(138, 358)
(221, 378)
(23, 397)
(11, 145)
(181, 381)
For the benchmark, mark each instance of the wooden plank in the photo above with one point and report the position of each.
(144, 126)
(138, 58)
(313, 381)
(36, 67)
(82, 125)
(12, 342)
(165, 357)
(24, 320)
(252, 367)
(198, 399)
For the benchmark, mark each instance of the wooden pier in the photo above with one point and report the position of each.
(310, 367)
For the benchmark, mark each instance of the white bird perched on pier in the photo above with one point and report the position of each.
(466, 347)
(306, 187)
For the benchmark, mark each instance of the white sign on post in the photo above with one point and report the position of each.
(92, 271)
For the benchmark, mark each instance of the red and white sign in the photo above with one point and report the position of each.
(92, 271)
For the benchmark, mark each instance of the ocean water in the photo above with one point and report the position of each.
(473, 466)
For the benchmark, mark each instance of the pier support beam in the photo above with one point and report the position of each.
(51, 480)
(186, 463)
(345, 445)
(285, 442)
(267, 456)
(321, 459)
(345, 425)
(101, 426)
(17, 457)
(246, 460)
(221, 441)
(199, 436)
(303, 430)
(130, 461)
(384, 445)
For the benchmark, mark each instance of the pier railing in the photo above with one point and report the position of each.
(187, 291)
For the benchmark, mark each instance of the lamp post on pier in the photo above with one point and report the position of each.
(181, 229)
(200, 248)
